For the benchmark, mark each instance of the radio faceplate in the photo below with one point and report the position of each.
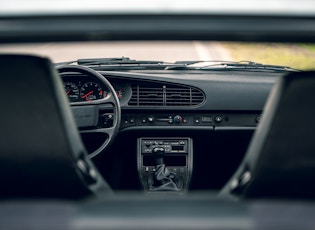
(166, 146)
(174, 154)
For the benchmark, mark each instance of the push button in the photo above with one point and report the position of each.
(258, 119)
(150, 119)
(218, 119)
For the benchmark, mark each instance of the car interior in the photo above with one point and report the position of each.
(120, 143)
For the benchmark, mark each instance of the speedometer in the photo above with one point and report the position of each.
(91, 91)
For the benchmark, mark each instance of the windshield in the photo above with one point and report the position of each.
(294, 55)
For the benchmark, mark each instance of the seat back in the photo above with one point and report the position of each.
(41, 153)
(280, 161)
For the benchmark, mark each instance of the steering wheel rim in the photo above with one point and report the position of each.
(111, 98)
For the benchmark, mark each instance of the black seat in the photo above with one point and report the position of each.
(280, 162)
(42, 155)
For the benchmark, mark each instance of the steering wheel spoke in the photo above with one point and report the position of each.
(109, 99)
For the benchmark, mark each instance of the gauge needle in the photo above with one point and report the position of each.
(86, 95)
(68, 92)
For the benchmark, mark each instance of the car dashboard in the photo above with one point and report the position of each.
(213, 114)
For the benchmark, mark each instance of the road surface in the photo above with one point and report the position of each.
(167, 51)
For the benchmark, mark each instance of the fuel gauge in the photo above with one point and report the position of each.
(119, 93)
(72, 91)
(123, 92)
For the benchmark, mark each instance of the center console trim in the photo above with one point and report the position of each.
(187, 151)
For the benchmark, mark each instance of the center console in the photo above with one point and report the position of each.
(165, 164)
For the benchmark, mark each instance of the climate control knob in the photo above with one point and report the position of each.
(178, 119)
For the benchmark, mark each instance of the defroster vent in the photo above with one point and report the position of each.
(165, 95)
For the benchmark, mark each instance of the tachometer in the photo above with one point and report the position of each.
(72, 91)
(92, 91)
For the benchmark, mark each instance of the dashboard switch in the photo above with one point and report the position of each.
(158, 150)
(206, 119)
(218, 119)
(258, 119)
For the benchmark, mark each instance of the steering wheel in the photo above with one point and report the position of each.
(89, 115)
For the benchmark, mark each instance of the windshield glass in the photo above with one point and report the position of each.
(294, 55)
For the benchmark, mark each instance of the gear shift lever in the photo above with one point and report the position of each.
(158, 154)
(163, 179)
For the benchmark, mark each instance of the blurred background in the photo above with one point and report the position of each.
(299, 56)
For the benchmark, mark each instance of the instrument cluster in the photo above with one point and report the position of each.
(86, 89)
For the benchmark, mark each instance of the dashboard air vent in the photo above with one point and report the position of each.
(146, 96)
(182, 96)
(165, 95)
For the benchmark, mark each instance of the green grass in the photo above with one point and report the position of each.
(299, 56)
(310, 47)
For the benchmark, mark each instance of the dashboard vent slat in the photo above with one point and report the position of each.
(146, 96)
(165, 95)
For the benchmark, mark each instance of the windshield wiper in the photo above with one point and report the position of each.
(125, 63)
(114, 61)
(229, 65)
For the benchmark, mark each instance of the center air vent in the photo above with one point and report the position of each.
(164, 95)
(147, 96)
